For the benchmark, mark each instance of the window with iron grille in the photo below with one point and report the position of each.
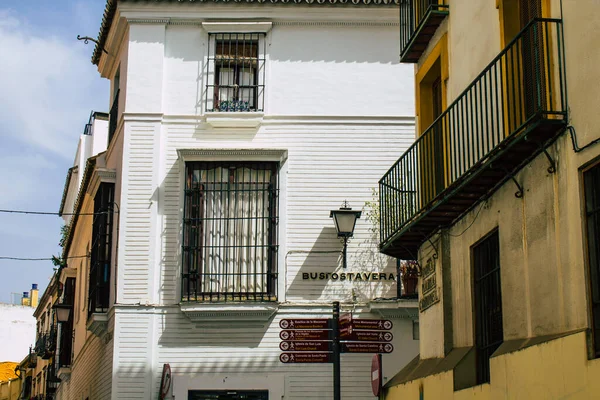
(592, 210)
(235, 72)
(99, 288)
(66, 328)
(488, 303)
(230, 231)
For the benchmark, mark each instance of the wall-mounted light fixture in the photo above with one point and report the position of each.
(345, 221)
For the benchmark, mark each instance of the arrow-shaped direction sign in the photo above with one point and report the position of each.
(367, 348)
(315, 334)
(306, 346)
(368, 336)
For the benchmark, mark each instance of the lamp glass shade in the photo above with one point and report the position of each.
(345, 220)
(63, 312)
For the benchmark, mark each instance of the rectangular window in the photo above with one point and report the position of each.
(99, 286)
(235, 72)
(592, 210)
(113, 116)
(228, 395)
(488, 303)
(230, 231)
(66, 328)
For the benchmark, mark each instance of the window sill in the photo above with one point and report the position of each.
(97, 323)
(230, 312)
(234, 119)
(395, 308)
(64, 373)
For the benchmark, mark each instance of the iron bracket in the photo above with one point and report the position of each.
(87, 39)
(519, 192)
(552, 168)
(435, 255)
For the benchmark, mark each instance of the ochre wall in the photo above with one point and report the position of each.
(558, 369)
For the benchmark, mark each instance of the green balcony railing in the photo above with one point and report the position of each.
(419, 20)
(517, 103)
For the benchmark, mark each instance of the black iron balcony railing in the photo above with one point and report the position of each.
(504, 118)
(45, 345)
(419, 20)
(113, 117)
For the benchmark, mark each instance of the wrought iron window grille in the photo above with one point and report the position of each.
(99, 285)
(489, 333)
(235, 72)
(230, 232)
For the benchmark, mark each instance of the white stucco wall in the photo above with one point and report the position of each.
(17, 331)
(338, 106)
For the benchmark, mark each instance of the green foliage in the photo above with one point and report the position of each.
(64, 231)
(56, 260)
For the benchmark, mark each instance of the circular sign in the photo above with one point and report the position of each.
(284, 323)
(376, 374)
(284, 335)
(388, 336)
(388, 348)
(165, 382)
(284, 357)
(285, 346)
(387, 324)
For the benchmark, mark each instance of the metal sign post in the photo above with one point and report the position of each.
(336, 351)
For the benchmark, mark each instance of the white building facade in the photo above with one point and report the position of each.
(234, 129)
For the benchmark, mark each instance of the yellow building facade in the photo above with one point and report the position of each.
(498, 199)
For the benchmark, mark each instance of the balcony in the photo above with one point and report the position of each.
(419, 19)
(508, 115)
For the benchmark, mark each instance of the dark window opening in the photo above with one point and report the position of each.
(488, 303)
(236, 72)
(99, 289)
(228, 395)
(230, 231)
(592, 211)
(66, 328)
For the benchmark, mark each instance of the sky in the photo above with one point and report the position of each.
(48, 87)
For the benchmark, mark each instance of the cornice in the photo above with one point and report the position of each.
(335, 23)
(148, 21)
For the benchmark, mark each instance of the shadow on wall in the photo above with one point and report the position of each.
(321, 276)
(368, 260)
(322, 259)
(207, 340)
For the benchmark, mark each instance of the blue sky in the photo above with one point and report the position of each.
(48, 87)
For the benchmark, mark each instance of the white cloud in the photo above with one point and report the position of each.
(45, 84)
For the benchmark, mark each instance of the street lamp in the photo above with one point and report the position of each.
(63, 311)
(345, 220)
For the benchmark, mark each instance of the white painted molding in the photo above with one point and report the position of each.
(237, 27)
(97, 323)
(230, 313)
(148, 21)
(234, 119)
(335, 23)
(397, 309)
(98, 176)
(258, 154)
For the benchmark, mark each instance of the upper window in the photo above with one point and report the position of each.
(592, 211)
(489, 332)
(235, 72)
(99, 287)
(230, 231)
(114, 108)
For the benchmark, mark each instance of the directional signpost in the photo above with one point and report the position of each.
(322, 340)
(358, 347)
